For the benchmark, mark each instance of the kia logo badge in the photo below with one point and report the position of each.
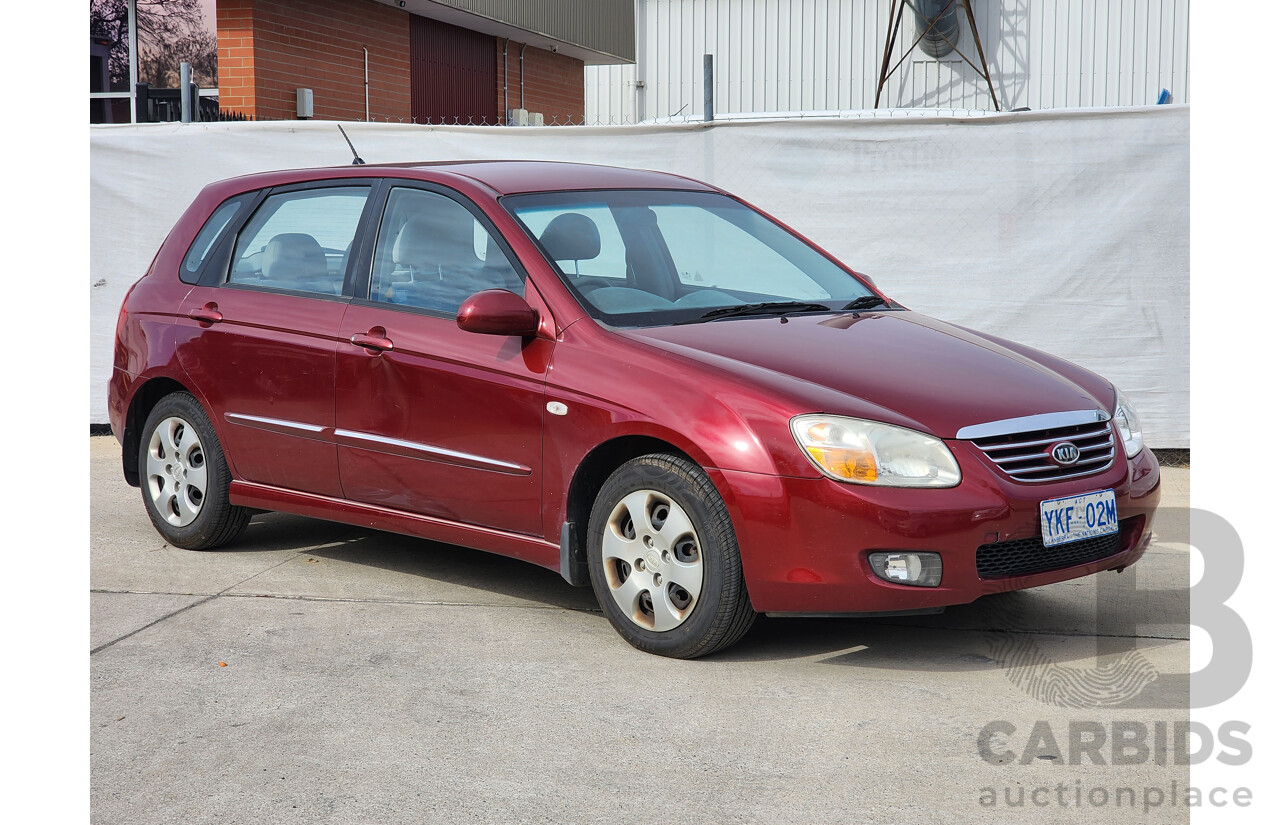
(1065, 453)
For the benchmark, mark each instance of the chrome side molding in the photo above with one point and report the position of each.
(275, 424)
(415, 449)
(381, 443)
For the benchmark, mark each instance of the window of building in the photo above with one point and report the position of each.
(134, 42)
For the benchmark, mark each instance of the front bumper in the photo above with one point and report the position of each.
(805, 541)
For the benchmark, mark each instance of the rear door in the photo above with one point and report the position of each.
(259, 333)
(431, 419)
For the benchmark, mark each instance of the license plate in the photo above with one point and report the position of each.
(1075, 518)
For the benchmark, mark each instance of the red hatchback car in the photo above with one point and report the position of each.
(633, 378)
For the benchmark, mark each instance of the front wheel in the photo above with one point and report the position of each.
(664, 559)
(184, 475)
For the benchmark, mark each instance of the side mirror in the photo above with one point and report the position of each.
(498, 312)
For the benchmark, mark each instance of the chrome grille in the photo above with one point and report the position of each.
(1026, 456)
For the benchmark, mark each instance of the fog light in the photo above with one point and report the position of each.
(918, 569)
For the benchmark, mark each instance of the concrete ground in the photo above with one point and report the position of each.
(315, 672)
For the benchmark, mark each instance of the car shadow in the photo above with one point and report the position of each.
(270, 532)
(410, 556)
(994, 632)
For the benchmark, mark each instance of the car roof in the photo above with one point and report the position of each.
(510, 176)
(505, 177)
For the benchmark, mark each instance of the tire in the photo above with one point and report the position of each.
(664, 559)
(184, 477)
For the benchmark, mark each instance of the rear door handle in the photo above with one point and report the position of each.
(372, 341)
(207, 314)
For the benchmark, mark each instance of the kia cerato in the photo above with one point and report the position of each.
(634, 379)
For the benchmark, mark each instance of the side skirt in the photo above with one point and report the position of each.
(525, 548)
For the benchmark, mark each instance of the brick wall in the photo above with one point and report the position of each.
(553, 83)
(267, 49)
(235, 56)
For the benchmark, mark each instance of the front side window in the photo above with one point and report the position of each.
(652, 257)
(433, 254)
(300, 241)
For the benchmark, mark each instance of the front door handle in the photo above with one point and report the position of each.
(207, 314)
(374, 341)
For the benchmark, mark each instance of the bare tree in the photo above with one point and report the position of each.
(159, 62)
(109, 19)
(169, 32)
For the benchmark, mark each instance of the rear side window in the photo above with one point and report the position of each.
(300, 241)
(208, 238)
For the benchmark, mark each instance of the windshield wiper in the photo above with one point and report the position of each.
(866, 302)
(763, 308)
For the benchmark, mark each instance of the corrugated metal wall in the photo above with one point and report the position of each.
(796, 55)
(452, 73)
(604, 26)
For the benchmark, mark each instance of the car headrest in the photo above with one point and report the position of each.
(293, 255)
(441, 236)
(571, 237)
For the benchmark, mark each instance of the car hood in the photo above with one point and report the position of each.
(928, 374)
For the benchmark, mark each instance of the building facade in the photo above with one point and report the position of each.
(424, 61)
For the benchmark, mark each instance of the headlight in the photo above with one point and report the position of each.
(868, 452)
(1127, 422)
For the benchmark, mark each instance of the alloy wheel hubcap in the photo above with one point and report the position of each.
(176, 473)
(652, 560)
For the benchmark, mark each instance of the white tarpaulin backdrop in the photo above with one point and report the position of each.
(1066, 230)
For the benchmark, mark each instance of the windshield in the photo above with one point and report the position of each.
(656, 257)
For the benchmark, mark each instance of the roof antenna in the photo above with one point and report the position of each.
(359, 161)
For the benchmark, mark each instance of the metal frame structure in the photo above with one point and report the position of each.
(896, 9)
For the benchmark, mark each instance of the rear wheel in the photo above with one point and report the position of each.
(184, 475)
(664, 559)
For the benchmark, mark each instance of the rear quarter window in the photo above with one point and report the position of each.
(207, 239)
